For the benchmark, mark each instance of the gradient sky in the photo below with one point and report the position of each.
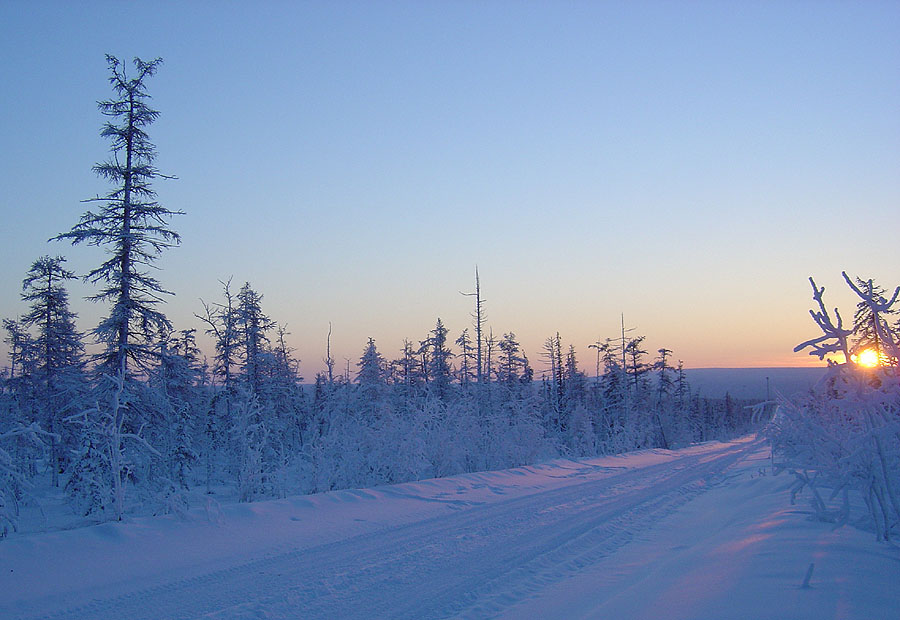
(688, 164)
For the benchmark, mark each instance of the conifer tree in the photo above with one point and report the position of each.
(438, 359)
(175, 381)
(635, 366)
(509, 359)
(663, 409)
(682, 389)
(253, 327)
(527, 371)
(408, 371)
(613, 388)
(221, 319)
(464, 342)
(871, 322)
(87, 488)
(554, 385)
(20, 346)
(372, 387)
(130, 224)
(57, 349)
(575, 382)
(371, 367)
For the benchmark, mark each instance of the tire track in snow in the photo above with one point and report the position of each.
(474, 562)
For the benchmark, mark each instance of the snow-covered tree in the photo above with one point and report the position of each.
(285, 407)
(510, 359)
(87, 487)
(871, 322)
(466, 373)
(253, 327)
(408, 372)
(635, 366)
(130, 224)
(614, 394)
(20, 346)
(175, 396)
(575, 386)
(14, 482)
(372, 369)
(221, 321)
(664, 411)
(111, 452)
(438, 357)
(553, 384)
(57, 351)
(21, 390)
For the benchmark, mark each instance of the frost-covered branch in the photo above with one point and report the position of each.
(834, 338)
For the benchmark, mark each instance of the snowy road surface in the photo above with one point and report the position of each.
(703, 532)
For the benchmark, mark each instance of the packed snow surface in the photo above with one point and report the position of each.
(704, 532)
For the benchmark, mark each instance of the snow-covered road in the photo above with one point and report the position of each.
(658, 533)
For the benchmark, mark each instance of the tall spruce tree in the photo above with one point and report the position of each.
(130, 224)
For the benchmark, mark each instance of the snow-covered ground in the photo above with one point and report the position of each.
(704, 532)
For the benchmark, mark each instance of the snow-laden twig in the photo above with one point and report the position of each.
(834, 338)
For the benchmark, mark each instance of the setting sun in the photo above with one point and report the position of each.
(867, 358)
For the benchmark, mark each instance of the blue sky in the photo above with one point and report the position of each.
(688, 164)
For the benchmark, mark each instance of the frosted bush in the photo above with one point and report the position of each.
(844, 437)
